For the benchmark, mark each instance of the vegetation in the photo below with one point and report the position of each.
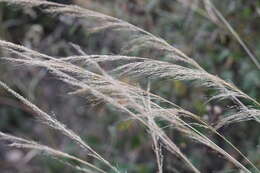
(135, 80)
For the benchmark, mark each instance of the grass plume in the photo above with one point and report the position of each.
(88, 78)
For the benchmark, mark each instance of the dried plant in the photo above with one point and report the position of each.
(88, 78)
(32, 145)
(214, 15)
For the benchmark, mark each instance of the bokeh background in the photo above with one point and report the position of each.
(124, 142)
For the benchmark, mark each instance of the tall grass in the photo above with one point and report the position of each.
(214, 15)
(89, 79)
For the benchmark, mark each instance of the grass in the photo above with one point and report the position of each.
(87, 78)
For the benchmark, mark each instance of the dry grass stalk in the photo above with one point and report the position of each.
(87, 77)
(52, 122)
(100, 85)
(32, 145)
(213, 14)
